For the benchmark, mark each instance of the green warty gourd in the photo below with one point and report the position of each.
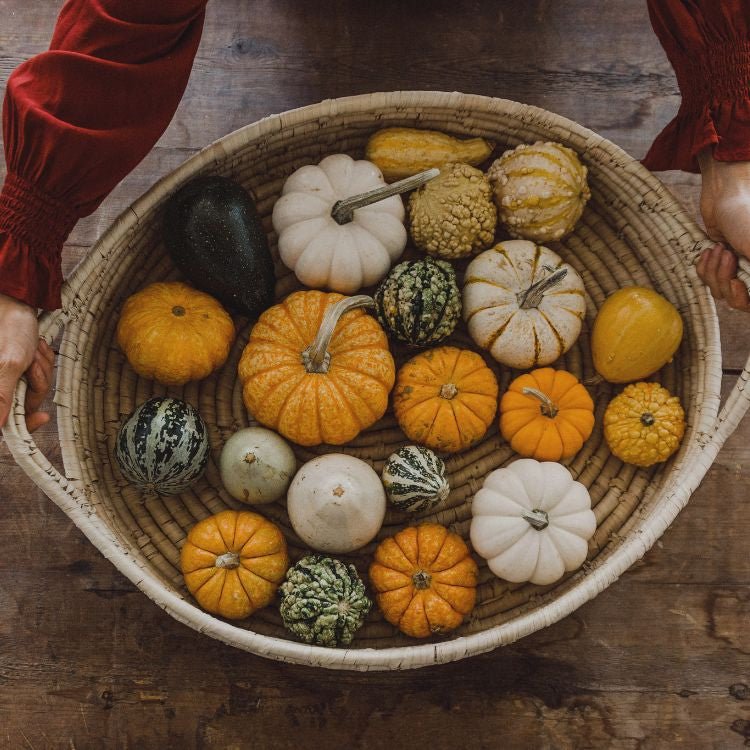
(323, 601)
(419, 302)
(414, 479)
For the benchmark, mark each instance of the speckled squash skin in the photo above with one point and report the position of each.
(311, 408)
(173, 333)
(233, 562)
(453, 216)
(644, 425)
(540, 190)
(323, 601)
(425, 579)
(445, 398)
(215, 237)
(162, 446)
(419, 302)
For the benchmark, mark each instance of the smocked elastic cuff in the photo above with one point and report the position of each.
(33, 229)
(714, 74)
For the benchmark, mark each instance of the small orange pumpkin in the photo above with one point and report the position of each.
(173, 333)
(233, 562)
(317, 369)
(546, 414)
(445, 398)
(425, 580)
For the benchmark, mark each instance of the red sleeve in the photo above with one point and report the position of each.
(78, 118)
(708, 44)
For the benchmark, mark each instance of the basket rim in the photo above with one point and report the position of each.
(674, 495)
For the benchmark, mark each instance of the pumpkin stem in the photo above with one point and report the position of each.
(532, 297)
(548, 406)
(228, 560)
(538, 519)
(421, 580)
(343, 210)
(647, 419)
(448, 390)
(316, 357)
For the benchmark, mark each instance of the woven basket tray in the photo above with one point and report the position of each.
(632, 232)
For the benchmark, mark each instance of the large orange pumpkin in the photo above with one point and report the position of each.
(445, 398)
(317, 369)
(233, 562)
(546, 414)
(425, 580)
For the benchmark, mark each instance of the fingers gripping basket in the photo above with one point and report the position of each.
(632, 232)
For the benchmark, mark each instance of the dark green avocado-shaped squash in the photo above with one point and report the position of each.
(215, 237)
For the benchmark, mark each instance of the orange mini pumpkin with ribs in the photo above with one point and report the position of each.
(425, 580)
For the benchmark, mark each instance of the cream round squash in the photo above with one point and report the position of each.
(532, 522)
(323, 253)
(523, 304)
(540, 190)
(256, 465)
(336, 503)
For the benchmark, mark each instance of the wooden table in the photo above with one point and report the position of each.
(661, 659)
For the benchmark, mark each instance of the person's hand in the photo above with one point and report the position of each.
(22, 351)
(725, 207)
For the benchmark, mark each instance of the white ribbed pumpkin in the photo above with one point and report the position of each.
(324, 254)
(540, 190)
(523, 304)
(532, 522)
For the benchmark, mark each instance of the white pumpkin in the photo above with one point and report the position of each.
(532, 522)
(336, 503)
(523, 304)
(323, 253)
(540, 190)
(256, 465)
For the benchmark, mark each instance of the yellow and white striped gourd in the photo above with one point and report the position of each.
(540, 190)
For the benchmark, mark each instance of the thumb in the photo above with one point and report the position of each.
(10, 373)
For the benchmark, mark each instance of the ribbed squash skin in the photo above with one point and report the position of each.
(414, 479)
(636, 332)
(419, 302)
(402, 152)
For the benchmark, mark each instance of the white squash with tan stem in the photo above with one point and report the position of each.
(339, 248)
(532, 522)
(336, 503)
(523, 304)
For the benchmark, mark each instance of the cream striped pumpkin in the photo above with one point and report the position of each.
(523, 304)
(540, 190)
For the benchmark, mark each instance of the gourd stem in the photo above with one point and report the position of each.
(421, 580)
(647, 419)
(538, 519)
(343, 210)
(448, 391)
(316, 357)
(548, 407)
(532, 297)
(228, 560)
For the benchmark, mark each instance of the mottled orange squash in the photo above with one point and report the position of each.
(445, 398)
(425, 580)
(317, 369)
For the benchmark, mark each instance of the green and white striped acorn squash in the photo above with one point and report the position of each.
(323, 601)
(414, 479)
(162, 446)
(419, 302)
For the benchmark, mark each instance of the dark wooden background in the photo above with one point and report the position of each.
(661, 659)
